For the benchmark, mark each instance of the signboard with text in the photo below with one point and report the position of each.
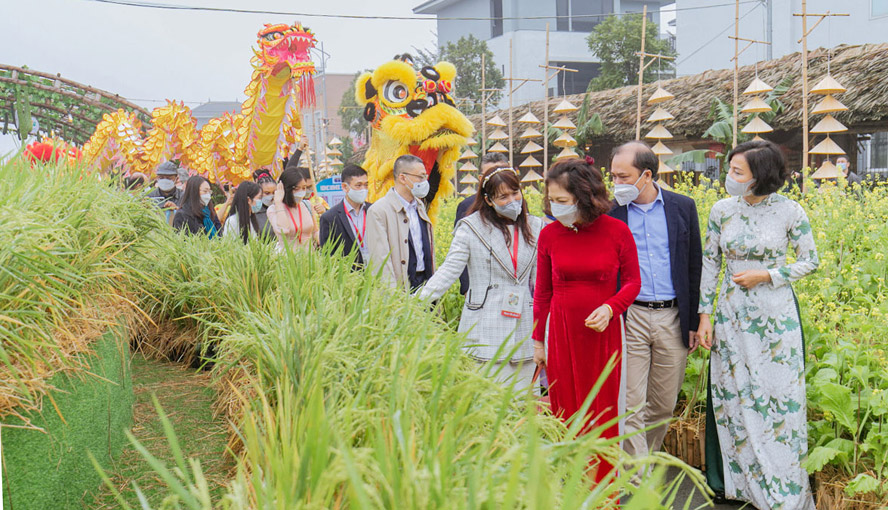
(330, 189)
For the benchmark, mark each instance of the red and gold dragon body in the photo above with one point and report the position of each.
(230, 147)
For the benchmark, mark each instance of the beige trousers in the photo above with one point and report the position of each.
(655, 365)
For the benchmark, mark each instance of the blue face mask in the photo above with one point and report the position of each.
(257, 205)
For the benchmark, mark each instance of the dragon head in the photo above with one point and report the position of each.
(283, 46)
(411, 112)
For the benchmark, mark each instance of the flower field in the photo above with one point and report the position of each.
(844, 309)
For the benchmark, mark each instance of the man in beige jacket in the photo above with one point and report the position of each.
(399, 232)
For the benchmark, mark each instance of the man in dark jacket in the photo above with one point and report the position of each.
(345, 224)
(165, 193)
(661, 323)
(488, 161)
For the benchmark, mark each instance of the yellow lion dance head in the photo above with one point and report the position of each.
(412, 112)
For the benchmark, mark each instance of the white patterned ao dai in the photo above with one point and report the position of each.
(757, 362)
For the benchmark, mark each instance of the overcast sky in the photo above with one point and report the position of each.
(150, 54)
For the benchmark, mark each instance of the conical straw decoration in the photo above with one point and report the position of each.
(829, 105)
(530, 133)
(828, 125)
(498, 147)
(498, 134)
(468, 154)
(468, 191)
(826, 171)
(496, 121)
(567, 153)
(564, 123)
(757, 125)
(757, 87)
(565, 140)
(531, 147)
(530, 162)
(468, 166)
(565, 106)
(664, 169)
(531, 176)
(661, 150)
(469, 179)
(660, 115)
(757, 105)
(828, 85)
(827, 146)
(659, 133)
(660, 95)
(529, 118)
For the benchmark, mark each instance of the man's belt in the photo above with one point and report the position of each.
(657, 305)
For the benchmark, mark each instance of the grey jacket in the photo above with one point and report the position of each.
(387, 232)
(482, 249)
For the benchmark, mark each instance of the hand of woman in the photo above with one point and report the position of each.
(539, 354)
(751, 278)
(705, 336)
(279, 193)
(600, 318)
(318, 207)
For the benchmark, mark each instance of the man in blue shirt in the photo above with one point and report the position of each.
(660, 325)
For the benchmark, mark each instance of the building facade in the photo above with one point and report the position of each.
(703, 29)
(523, 23)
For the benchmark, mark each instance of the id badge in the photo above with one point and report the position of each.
(513, 302)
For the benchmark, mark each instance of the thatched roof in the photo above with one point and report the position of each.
(863, 70)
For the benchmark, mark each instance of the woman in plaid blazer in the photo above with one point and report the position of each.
(497, 243)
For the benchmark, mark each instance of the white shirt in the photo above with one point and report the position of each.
(357, 226)
(415, 231)
(232, 228)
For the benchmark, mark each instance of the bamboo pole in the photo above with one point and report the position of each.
(483, 109)
(641, 66)
(511, 89)
(804, 93)
(736, 70)
(546, 110)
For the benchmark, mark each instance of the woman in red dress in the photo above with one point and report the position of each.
(587, 276)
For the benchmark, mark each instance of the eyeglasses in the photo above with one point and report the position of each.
(421, 177)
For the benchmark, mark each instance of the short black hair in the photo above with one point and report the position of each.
(493, 157)
(352, 171)
(767, 164)
(406, 159)
(645, 159)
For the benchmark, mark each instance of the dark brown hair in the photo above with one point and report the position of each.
(767, 164)
(585, 183)
(491, 184)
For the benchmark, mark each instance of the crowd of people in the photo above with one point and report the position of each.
(608, 290)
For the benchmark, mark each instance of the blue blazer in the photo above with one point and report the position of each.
(685, 253)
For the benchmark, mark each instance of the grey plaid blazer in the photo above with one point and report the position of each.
(482, 248)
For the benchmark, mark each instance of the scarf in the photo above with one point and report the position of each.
(208, 223)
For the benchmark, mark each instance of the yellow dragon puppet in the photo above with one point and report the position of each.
(230, 147)
(411, 112)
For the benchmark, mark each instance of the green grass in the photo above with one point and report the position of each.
(188, 397)
(52, 470)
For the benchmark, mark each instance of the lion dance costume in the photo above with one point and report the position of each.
(412, 112)
(230, 147)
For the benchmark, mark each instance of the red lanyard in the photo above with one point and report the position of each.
(299, 227)
(355, 225)
(514, 253)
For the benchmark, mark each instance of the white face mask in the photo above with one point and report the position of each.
(165, 184)
(625, 193)
(738, 189)
(511, 210)
(358, 196)
(564, 213)
(420, 189)
(267, 200)
(300, 195)
(205, 198)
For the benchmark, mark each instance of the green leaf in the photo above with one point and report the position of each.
(836, 399)
(862, 484)
(819, 457)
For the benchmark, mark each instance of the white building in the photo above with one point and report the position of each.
(704, 26)
(523, 22)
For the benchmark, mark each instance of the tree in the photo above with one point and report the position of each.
(350, 113)
(465, 55)
(615, 41)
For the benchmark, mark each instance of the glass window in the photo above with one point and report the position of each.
(562, 10)
(879, 8)
(496, 13)
(586, 14)
(578, 82)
